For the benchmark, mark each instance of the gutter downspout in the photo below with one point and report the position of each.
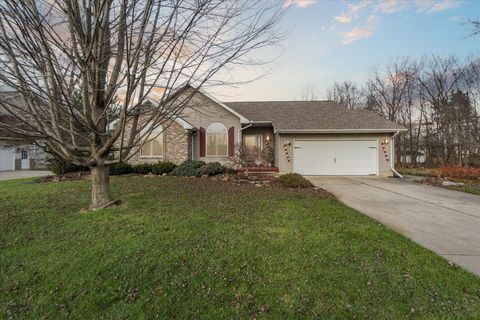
(193, 151)
(392, 158)
(240, 131)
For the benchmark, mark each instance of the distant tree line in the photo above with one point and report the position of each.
(436, 98)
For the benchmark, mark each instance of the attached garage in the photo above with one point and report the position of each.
(324, 137)
(7, 159)
(335, 157)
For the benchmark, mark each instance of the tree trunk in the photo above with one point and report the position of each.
(101, 197)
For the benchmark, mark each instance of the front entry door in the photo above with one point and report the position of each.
(24, 160)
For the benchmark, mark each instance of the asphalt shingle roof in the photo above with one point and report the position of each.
(312, 115)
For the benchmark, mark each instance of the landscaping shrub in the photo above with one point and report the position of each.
(458, 172)
(211, 169)
(187, 168)
(163, 167)
(120, 168)
(294, 180)
(143, 168)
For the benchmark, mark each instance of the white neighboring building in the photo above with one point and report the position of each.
(17, 153)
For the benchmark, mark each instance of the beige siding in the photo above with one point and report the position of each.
(201, 112)
(180, 145)
(287, 166)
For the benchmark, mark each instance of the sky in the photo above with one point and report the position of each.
(337, 40)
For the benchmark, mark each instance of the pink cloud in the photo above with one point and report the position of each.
(372, 19)
(391, 6)
(352, 12)
(299, 3)
(443, 5)
(343, 18)
(357, 34)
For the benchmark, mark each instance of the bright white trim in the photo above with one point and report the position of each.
(184, 124)
(243, 120)
(392, 155)
(240, 134)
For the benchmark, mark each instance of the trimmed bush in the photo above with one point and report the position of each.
(211, 169)
(120, 168)
(294, 180)
(187, 168)
(163, 167)
(143, 168)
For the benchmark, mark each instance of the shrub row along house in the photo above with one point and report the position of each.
(306, 137)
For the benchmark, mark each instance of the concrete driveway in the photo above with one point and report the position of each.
(444, 221)
(20, 174)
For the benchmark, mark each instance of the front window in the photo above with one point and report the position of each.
(217, 140)
(24, 154)
(153, 147)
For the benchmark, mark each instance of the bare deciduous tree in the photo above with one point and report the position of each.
(348, 94)
(388, 87)
(436, 99)
(84, 69)
(309, 93)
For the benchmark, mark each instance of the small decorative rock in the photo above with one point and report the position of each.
(164, 174)
(447, 183)
(258, 185)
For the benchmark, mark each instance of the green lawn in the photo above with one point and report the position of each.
(195, 248)
(470, 186)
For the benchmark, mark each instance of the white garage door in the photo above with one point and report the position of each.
(335, 157)
(7, 159)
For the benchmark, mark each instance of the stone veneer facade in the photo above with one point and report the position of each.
(177, 146)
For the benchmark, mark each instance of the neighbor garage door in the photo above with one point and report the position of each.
(7, 159)
(335, 157)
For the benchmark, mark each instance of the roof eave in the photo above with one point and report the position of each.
(182, 122)
(243, 120)
(388, 130)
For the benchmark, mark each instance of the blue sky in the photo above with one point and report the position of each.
(344, 40)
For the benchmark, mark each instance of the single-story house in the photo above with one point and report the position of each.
(307, 137)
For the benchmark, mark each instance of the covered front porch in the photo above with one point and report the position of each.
(257, 152)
